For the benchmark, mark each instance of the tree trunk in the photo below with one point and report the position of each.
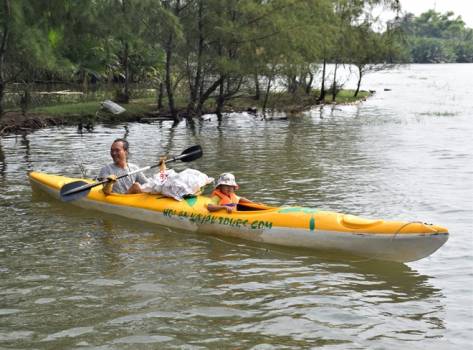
(25, 100)
(257, 87)
(334, 85)
(84, 82)
(3, 50)
(291, 84)
(169, 48)
(360, 74)
(126, 63)
(160, 96)
(125, 94)
(194, 91)
(266, 96)
(322, 86)
(308, 87)
(2, 94)
(220, 101)
(207, 93)
(168, 82)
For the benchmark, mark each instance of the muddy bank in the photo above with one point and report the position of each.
(16, 122)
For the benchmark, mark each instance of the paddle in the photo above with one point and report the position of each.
(78, 189)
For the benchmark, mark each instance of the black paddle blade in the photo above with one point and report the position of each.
(66, 196)
(190, 154)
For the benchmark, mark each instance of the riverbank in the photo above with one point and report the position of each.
(84, 115)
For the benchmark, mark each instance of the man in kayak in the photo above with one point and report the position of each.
(120, 166)
(224, 197)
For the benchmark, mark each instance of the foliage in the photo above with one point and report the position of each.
(209, 52)
(436, 38)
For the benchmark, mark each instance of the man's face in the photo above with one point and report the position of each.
(117, 152)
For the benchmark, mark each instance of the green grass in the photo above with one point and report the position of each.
(82, 108)
(284, 101)
(346, 96)
(138, 107)
(135, 107)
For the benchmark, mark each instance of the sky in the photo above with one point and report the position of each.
(464, 8)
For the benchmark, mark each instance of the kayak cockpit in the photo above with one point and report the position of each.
(253, 207)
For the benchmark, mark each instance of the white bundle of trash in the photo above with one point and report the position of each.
(177, 185)
(112, 107)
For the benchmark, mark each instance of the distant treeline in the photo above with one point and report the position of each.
(433, 37)
(211, 50)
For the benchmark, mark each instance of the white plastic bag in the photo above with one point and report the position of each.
(155, 183)
(177, 185)
(187, 182)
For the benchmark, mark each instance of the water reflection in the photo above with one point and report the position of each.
(88, 126)
(364, 276)
(331, 300)
(169, 144)
(127, 131)
(25, 143)
(190, 124)
(3, 163)
(107, 243)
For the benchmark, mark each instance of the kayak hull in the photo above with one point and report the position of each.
(308, 228)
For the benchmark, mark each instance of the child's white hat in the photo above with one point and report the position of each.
(226, 179)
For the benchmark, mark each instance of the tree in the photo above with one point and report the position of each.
(126, 39)
(433, 37)
(372, 51)
(25, 49)
(6, 16)
(78, 34)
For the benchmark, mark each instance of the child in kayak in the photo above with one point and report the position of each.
(224, 197)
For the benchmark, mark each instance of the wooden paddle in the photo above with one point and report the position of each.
(78, 189)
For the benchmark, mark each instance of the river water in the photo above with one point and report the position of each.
(72, 278)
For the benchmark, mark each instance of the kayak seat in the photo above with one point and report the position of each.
(355, 222)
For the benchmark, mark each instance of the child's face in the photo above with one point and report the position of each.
(227, 189)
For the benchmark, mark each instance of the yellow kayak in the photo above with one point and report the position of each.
(400, 241)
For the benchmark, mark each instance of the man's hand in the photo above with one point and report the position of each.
(162, 164)
(108, 186)
(112, 178)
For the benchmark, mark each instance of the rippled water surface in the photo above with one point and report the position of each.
(72, 278)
